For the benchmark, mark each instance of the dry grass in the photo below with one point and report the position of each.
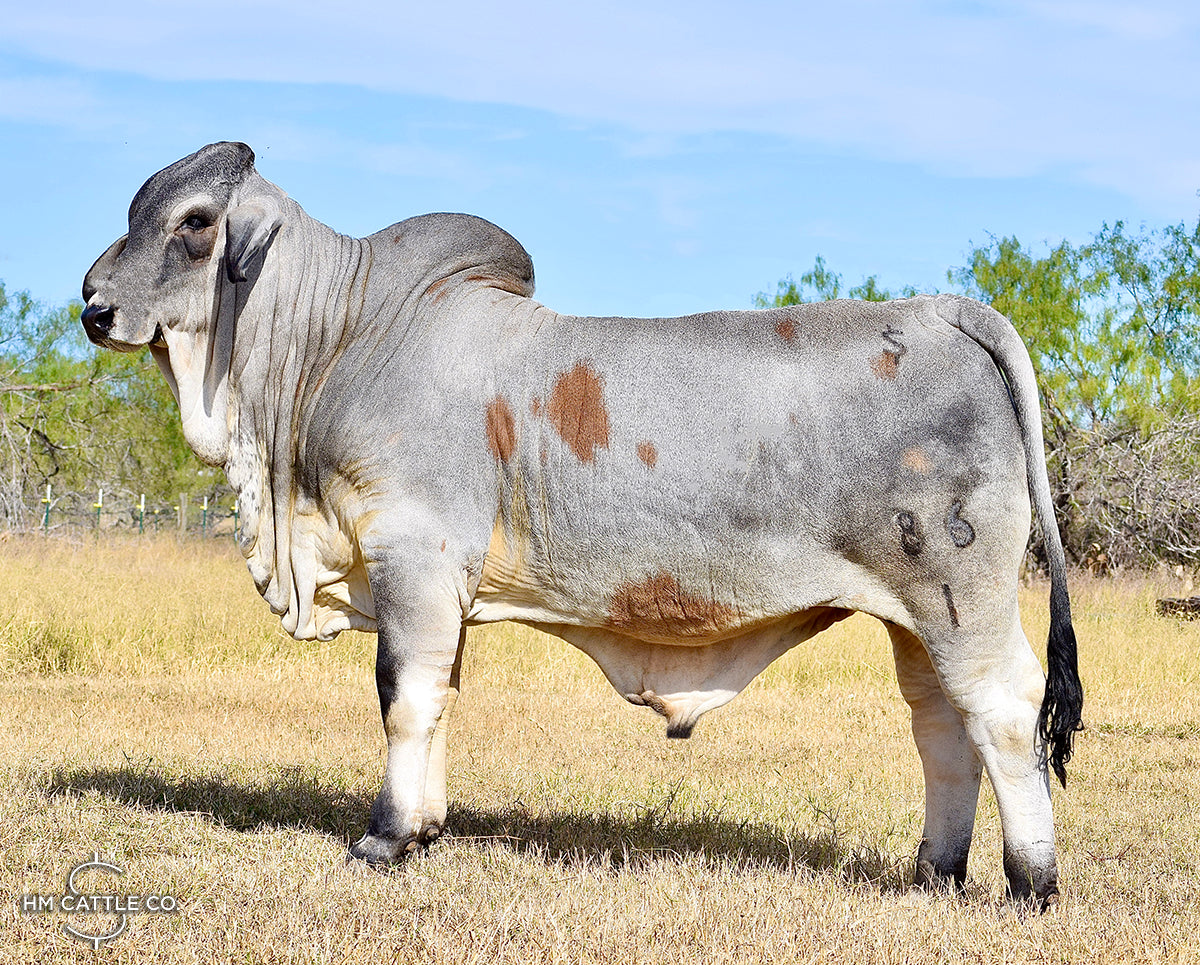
(150, 710)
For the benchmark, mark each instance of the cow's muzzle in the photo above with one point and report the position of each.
(98, 321)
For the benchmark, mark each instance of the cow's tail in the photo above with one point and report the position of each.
(1062, 706)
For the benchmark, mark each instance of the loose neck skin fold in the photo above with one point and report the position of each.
(282, 328)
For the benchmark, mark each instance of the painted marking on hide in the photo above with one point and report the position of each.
(576, 409)
(916, 460)
(886, 363)
(786, 329)
(910, 533)
(950, 604)
(501, 430)
(660, 606)
(959, 529)
(647, 452)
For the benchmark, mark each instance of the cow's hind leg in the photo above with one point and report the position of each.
(420, 631)
(952, 768)
(990, 675)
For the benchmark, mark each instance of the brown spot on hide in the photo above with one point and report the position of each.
(659, 607)
(397, 239)
(647, 452)
(786, 329)
(916, 460)
(480, 278)
(443, 546)
(535, 405)
(501, 430)
(437, 289)
(576, 409)
(884, 365)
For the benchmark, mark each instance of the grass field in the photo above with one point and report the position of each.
(151, 710)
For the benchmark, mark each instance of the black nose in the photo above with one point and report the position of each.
(98, 320)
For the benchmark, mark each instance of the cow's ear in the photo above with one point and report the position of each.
(248, 230)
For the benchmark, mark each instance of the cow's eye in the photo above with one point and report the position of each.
(198, 233)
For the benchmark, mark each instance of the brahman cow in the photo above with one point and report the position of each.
(418, 446)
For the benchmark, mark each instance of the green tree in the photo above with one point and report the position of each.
(1111, 325)
(82, 419)
(1113, 329)
(822, 285)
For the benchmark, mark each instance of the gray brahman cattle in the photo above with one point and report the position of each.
(418, 446)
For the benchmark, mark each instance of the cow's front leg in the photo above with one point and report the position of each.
(435, 778)
(419, 621)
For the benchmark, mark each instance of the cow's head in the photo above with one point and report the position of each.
(196, 229)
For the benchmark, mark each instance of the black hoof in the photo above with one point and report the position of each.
(929, 877)
(1030, 882)
(382, 853)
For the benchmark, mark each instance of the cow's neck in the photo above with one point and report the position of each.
(289, 323)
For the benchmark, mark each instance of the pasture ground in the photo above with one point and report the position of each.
(151, 710)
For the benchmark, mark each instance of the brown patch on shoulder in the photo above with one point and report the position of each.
(535, 405)
(647, 452)
(916, 460)
(786, 329)
(659, 607)
(501, 430)
(884, 365)
(576, 409)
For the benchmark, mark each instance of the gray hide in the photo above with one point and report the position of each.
(418, 446)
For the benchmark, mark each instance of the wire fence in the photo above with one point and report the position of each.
(210, 515)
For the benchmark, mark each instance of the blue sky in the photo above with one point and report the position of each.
(654, 157)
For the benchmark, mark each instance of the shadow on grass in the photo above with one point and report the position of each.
(605, 841)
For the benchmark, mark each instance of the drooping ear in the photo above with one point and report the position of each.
(248, 230)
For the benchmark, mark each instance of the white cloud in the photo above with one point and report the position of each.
(1096, 90)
